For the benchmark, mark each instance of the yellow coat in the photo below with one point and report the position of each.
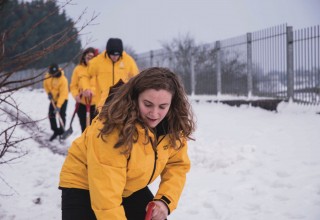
(75, 86)
(103, 73)
(95, 165)
(58, 87)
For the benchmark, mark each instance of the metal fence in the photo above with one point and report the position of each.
(276, 63)
(21, 76)
(306, 63)
(272, 63)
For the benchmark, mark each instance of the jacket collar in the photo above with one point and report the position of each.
(161, 129)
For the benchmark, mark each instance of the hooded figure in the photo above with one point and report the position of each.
(106, 70)
(114, 47)
(56, 86)
(54, 70)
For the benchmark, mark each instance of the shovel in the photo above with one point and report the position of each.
(57, 114)
(68, 132)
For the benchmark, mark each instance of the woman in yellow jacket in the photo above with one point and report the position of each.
(106, 70)
(76, 88)
(139, 135)
(56, 86)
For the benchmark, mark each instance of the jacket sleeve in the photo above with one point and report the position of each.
(63, 91)
(173, 178)
(103, 98)
(88, 78)
(134, 70)
(74, 85)
(107, 178)
(45, 83)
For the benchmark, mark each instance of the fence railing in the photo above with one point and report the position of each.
(274, 63)
(21, 76)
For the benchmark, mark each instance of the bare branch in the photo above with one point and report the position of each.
(11, 116)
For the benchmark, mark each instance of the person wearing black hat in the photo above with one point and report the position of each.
(114, 47)
(106, 70)
(56, 86)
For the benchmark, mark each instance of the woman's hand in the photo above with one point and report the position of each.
(78, 98)
(87, 93)
(160, 211)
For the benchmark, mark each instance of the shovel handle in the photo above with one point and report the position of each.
(150, 208)
(57, 114)
(88, 104)
(75, 111)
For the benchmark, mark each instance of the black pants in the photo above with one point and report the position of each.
(52, 117)
(82, 115)
(76, 204)
(135, 205)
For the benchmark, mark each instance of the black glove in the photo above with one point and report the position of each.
(57, 110)
(49, 96)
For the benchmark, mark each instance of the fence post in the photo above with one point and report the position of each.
(218, 68)
(249, 64)
(290, 77)
(193, 82)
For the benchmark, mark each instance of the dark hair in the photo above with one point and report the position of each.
(85, 52)
(122, 112)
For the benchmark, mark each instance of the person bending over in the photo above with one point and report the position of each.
(139, 135)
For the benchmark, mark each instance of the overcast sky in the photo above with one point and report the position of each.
(145, 24)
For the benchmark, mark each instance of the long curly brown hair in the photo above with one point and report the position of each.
(83, 56)
(122, 113)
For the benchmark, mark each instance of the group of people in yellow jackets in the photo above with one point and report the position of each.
(89, 83)
(139, 134)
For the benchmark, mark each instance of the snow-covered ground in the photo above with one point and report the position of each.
(247, 164)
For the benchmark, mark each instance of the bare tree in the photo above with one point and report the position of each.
(129, 50)
(11, 115)
(8, 142)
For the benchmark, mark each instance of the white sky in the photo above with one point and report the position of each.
(144, 24)
(247, 164)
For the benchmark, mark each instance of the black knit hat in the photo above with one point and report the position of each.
(54, 68)
(114, 46)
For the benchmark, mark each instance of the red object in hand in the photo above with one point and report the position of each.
(151, 205)
(96, 52)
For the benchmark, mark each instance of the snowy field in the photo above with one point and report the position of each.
(247, 164)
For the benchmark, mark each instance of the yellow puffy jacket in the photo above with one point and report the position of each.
(103, 73)
(95, 165)
(58, 87)
(75, 85)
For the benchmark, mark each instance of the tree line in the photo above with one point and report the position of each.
(32, 36)
(33, 29)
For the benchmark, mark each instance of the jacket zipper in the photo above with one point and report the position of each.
(154, 165)
(112, 73)
(155, 157)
